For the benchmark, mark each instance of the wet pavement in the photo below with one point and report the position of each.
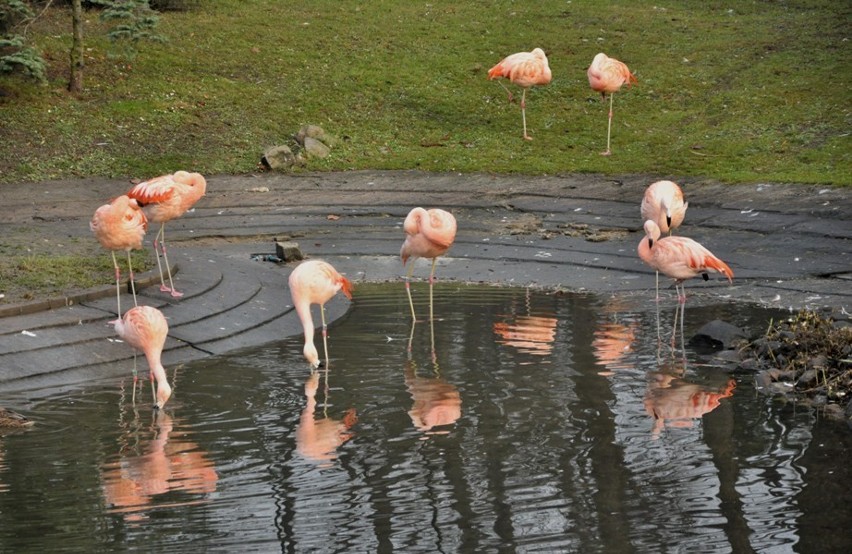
(788, 245)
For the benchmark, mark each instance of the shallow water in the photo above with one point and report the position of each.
(537, 422)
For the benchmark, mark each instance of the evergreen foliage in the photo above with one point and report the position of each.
(15, 55)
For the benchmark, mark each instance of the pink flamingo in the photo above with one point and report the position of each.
(120, 225)
(429, 234)
(165, 198)
(607, 75)
(315, 282)
(145, 328)
(525, 69)
(680, 258)
(663, 204)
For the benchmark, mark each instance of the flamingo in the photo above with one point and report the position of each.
(663, 204)
(429, 234)
(165, 198)
(524, 69)
(680, 258)
(607, 75)
(145, 328)
(315, 282)
(120, 225)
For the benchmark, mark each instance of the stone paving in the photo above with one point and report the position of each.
(788, 245)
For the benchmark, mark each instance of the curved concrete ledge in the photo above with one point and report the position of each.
(789, 246)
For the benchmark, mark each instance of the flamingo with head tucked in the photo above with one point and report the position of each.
(607, 75)
(120, 225)
(165, 198)
(428, 234)
(525, 69)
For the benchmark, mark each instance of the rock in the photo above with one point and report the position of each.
(750, 364)
(316, 149)
(818, 362)
(315, 132)
(733, 356)
(288, 251)
(808, 378)
(281, 157)
(718, 334)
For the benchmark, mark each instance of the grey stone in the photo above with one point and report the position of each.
(281, 157)
(718, 334)
(289, 251)
(316, 149)
(315, 132)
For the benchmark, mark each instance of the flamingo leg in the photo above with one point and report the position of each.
(132, 283)
(117, 283)
(408, 290)
(658, 287)
(157, 253)
(607, 152)
(509, 92)
(324, 335)
(524, 113)
(674, 326)
(432, 282)
(175, 293)
(135, 379)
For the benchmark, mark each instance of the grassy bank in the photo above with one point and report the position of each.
(732, 90)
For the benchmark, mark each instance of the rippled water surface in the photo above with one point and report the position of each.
(521, 421)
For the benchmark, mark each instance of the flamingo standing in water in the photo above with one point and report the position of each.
(525, 69)
(429, 234)
(315, 282)
(607, 75)
(145, 328)
(165, 198)
(120, 225)
(663, 204)
(680, 258)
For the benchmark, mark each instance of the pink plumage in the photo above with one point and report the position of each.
(525, 69)
(145, 328)
(428, 234)
(680, 258)
(663, 204)
(165, 198)
(607, 75)
(315, 282)
(120, 225)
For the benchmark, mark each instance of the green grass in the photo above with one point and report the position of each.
(31, 276)
(737, 91)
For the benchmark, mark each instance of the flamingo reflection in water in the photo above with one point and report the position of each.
(167, 463)
(614, 338)
(530, 334)
(318, 439)
(674, 402)
(437, 403)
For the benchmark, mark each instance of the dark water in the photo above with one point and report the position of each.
(530, 427)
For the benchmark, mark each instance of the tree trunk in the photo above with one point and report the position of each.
(75, 84)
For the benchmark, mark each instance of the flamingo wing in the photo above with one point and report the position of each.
(154, 191)
(683, 258)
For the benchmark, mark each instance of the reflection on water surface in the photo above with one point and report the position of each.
(519, 421)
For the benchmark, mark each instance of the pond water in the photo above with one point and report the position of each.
(519, 421)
